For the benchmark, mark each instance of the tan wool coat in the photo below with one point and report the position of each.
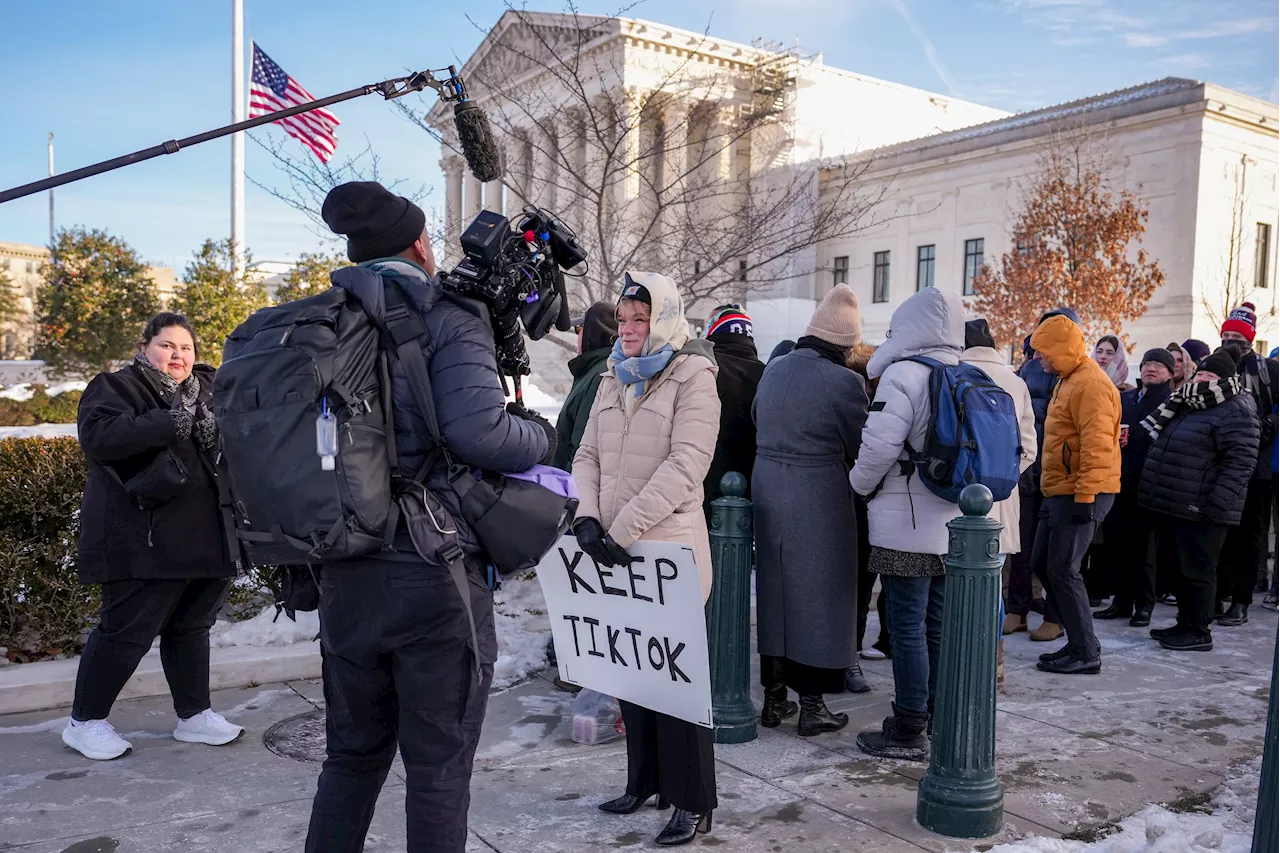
(640, 472)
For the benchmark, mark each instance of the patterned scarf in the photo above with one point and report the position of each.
(638, 369)
(186, 401)
(1194, 396)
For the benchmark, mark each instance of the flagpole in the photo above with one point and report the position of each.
(237, 139)
(51, 228)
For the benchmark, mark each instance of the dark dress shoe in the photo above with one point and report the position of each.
(1072, 664)
(1187, 640)
(1141, 619)
(816, 718)
(855, 681)
(1058, 655)
(627, 804)
(682, 828)
(1095, 602)
(1237, 614)
(1115, 611)
(776, 709)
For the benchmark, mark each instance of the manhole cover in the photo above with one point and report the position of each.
(300, 738)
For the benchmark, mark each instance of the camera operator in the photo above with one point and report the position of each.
(399, 662)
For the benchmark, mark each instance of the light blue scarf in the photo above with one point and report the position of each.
(638, 369)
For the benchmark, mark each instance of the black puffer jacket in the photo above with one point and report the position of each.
(124, 422)
(736, 383)
(1132, 411)
(1200, 464)
(1041, 386)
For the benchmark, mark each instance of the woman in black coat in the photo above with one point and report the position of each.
(1194, 482)
(152, 534)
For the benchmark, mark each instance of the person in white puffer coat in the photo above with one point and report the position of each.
(907, 522)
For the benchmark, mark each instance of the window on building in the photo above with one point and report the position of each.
(31, 267)
(1260, 346)
(5, 264)
(697, 267)
(1023, 248)
(924, 267)
(972, 263)
(742, 270)
(840, 271)
(1262, 255)
(880, 278)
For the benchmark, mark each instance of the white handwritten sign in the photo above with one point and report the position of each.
(638, 633)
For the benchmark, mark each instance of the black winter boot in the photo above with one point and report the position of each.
(777, 707)
(815, 718)
(1237, 614)
(901, 736)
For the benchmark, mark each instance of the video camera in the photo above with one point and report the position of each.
(519, 275)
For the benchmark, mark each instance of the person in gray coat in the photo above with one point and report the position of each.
(809, 412)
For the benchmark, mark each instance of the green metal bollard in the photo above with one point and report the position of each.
(960, 795)
(1265, 839)
(729, 613)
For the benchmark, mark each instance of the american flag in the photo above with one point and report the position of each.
(270, 90)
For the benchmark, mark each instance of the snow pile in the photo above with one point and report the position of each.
(538, 400)
(266, 630)
(1156, 829)
(39, 431)
(25, 391)
(520, 614)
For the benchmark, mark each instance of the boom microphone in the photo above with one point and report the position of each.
(477, 142)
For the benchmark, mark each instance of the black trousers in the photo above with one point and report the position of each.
(134, 613)
(1194, 548)
(1059, 547)
(670, 756)
(1245, 550)
(1127, 533)
(1018, 595)
(399, 670)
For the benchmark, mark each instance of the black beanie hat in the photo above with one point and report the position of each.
(977, 334)
(1221, 362)
(1161, 355)
(376, 222)
(599, 327)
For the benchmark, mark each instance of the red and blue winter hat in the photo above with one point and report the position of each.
(1243, 320)
(729, 319)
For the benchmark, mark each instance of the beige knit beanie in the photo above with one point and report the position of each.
(837, 320)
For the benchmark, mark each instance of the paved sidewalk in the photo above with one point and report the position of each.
(1074, 753)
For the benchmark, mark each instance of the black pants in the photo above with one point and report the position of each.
(1127, 533)
(1059, 547)
(1246, 547)
(399, 669)
(1193, 547)
(1018, 596)
(134, 613)
(670, 756)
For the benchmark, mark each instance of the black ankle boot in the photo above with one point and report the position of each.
(627, 804)
(682, 828)
(777, 707)
(1237, 614)
(815, 718)
(900, 736)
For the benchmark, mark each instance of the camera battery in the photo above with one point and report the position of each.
(485, 236)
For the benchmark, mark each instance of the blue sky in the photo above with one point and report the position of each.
(110, 77)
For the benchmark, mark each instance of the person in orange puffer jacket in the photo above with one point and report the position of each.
(1080, 477)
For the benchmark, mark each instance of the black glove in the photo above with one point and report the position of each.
(599, 545)
(553, 439)
(1081, 513)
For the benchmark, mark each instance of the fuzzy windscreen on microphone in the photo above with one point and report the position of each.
(477, 142)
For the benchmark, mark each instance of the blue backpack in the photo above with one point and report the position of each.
(974, 436)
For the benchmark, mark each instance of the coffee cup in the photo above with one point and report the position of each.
(1124, 435)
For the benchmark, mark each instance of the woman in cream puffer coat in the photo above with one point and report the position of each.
(639, 471)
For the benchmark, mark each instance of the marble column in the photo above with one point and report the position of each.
(672, 185)
(545, 145)
(471, 199)
(452, 251)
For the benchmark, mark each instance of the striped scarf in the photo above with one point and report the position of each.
(1194, 396)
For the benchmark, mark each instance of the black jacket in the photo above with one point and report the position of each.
(1040, 385)
(1262, 377)
(124, 422)
(1200, 464)
(1132, 411)
(464, 382)
(736, 383)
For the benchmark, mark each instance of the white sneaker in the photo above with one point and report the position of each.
(871, 653)
(95, 739)
(207, 727)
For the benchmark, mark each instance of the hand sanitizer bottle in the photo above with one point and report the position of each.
(327, 437)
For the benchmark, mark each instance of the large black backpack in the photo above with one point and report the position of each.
(280, 369)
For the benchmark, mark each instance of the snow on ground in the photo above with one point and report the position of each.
(1156, 829)
(266, 630)
(539, 401)
(24, 391)
(39, 431)
(524, 630)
